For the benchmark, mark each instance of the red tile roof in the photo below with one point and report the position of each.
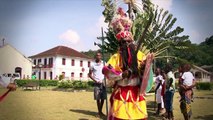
(61, 50)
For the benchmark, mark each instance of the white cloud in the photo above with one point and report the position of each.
(195, 36)
(70, 36)
(101, 23)
(95, 31)
(166, 4)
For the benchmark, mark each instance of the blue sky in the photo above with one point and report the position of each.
(32, 26)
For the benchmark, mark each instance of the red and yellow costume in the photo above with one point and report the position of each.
(125, 73)
(126, 102)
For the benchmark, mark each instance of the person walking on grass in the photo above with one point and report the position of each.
(95, 73)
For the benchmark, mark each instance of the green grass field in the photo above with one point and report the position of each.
(48, 104)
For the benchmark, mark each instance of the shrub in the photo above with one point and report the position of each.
(204, 85)
(80, 84)
(41, 82)
(76, 84)
(61, 77)
(65, 84)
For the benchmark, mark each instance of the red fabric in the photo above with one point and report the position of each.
(4, 95)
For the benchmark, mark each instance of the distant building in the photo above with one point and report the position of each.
(209, 68)
(12, 61)
(201, 75)
(61, 60)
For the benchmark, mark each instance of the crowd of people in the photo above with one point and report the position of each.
(165, 89)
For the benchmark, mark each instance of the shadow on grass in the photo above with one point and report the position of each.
(151, 109)
(87, 112)
(205, 117)
(30, 89)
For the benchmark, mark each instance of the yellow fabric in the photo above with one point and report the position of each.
(141, 56)
(120, 108)
(129, 110)
(114, 61)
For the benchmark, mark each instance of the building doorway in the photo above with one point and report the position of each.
(19, 70)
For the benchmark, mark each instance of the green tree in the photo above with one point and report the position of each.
(207, 48)
(152, 30)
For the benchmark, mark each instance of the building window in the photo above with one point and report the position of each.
(50, 62)
(39, 61)
(88, 63)
(81, 75)
(34, 61)
(81, 63)
(73, 62)
(63, 61)
(45, 61)
(72, 74)
(45, 75)
(51, 75)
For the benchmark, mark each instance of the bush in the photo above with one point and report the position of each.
(61, 77)
(41, 82)
(80, 84)
(77, 84)
(65, 84)
(204, 85)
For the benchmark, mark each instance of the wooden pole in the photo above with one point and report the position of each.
(102, 39)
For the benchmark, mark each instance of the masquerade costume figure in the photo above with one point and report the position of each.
(124, 71)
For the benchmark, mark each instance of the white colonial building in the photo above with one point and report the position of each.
(12, 61)
(61, 60)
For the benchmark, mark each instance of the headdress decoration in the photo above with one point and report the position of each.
(121, 25)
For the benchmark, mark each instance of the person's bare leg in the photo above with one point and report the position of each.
(98, 106)
(101, 107)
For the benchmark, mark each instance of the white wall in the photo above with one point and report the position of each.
(10, 58)
(58, 68)
(68, 68)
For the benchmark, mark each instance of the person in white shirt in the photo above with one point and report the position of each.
(159, 91)
(95, 73)
(187, 82)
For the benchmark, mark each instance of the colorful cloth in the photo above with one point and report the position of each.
(126, 103)
(185, 103)
(151, 80)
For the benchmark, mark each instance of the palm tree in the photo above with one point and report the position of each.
(152, 29)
